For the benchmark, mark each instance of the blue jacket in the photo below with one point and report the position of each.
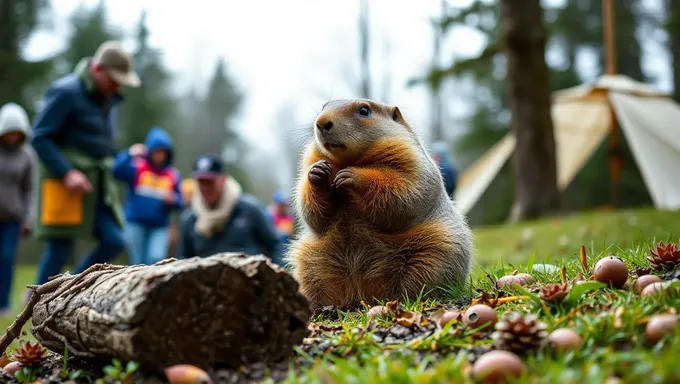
(247, 230)
(148, 185)
(74, 115)
(447, 169)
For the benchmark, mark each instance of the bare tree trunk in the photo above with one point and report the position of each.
(673, 11)
(528, 90)
(364, 38)
(436, 128)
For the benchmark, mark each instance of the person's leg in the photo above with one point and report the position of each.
(134, 235)
(157, 245)
(9, 237)
(57, 253)
(110, 236)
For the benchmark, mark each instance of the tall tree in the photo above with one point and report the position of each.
(528, 84)
(673, 29)
(19, 19)
(364, 46)
(90, 29)
(218, 133)
(151, 104)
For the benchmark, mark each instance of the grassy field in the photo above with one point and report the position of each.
(611, 321)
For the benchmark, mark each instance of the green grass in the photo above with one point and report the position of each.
(611, 321)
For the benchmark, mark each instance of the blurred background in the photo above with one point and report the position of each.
(247, 78)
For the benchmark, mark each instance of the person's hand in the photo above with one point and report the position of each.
(26, 229)
(137, 150)
(77, 182)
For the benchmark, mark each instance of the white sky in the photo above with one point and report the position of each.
(278, 50)
(294, 51)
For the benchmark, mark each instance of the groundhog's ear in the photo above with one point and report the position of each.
(396, 115)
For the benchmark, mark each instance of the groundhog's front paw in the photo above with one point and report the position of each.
(320, 173)
(345, 177)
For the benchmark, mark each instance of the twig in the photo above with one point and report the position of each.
(14, 330)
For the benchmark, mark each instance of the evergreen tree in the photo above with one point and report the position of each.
(211, 125)
(21, 80)
(151, 104)
(90, 29)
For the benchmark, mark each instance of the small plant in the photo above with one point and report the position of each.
(25, 375)
(29, 354)
(65, 373)
(117, 372)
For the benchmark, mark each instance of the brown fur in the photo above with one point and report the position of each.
(381, 226)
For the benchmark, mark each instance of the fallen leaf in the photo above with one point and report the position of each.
(407, 319)
(436, 315)
(584, 260)
(4, 360)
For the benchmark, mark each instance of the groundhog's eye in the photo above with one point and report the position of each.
(364, 111)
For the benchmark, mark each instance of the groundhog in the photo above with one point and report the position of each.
(375, 220)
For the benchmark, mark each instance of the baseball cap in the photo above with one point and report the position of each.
(117, 63)
(208, 166)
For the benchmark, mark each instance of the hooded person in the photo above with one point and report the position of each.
(17, 170)
(153, 194)
(280, 214)
(443, 159)
(222, 218)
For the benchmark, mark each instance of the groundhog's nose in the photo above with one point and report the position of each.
(324, 124)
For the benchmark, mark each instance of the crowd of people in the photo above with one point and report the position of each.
(60, 178)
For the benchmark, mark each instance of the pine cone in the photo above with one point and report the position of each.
(518, 332)
(29, 354)
(554, 292)
(664, 256)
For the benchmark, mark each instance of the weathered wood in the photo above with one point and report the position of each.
(225, 310)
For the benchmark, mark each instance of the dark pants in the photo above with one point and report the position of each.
(9, 238)
(59, 251)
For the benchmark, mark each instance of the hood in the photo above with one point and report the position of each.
(13, 118)
(440, 148)
(159, 138)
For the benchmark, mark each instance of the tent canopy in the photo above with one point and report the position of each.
(582, 119)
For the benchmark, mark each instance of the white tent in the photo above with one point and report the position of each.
(649, 120)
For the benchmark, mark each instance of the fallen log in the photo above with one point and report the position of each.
(225, 310)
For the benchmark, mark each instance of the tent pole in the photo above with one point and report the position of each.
(615, 159)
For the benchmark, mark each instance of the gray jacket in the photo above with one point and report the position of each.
(17, 167)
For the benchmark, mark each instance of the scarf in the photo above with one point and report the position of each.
(210, 220)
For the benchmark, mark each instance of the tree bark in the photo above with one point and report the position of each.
(673, 11)
(528, 88)
(225, 310)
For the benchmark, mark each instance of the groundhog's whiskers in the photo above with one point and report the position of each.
(300, 135)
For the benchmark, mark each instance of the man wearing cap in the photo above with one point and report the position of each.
(74, 138)
(221, 218)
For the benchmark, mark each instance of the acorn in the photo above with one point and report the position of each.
(644, 281)
(497, 366)
(377, 311)
(479, 315)
(658, 288)
(508, 281)
(448, 317)
(659, 325)
(564, 339)
(186, 374)
(611, 270)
